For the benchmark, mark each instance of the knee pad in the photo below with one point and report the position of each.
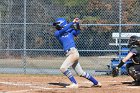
(137, 75)
(132, 72)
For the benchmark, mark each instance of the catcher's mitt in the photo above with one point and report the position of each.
(115, 71)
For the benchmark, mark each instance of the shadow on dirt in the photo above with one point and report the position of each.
(126, 82)
(59, 84)
(133, 83)
(64, 85)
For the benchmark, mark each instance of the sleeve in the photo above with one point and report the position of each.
(76, 32)
(65, 28)
(134, 51)
(56, 34)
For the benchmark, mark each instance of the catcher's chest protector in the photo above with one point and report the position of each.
(136, 58)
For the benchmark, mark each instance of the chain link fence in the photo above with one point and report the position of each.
(27, 44)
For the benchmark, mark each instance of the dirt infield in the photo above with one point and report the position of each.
(56, 84)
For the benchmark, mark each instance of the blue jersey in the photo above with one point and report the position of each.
(66, 36)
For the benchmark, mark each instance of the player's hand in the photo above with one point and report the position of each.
(76, 20)
(115, 71)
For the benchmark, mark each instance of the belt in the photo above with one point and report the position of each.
(70, 49)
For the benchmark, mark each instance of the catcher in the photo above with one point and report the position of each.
(65, 34)
(133, 54)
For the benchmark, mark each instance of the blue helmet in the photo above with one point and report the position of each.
(60, 23)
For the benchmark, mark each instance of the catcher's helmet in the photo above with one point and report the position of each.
(60, 23)
(133, 41)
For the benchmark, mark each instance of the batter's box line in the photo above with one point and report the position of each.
(35, 87)
(133, 87)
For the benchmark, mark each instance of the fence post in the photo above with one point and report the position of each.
(24, 48)
(120, 30)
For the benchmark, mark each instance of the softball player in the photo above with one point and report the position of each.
(134, 54)
(65, 34)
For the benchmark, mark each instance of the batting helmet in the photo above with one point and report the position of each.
(60, 23)
(133, 41)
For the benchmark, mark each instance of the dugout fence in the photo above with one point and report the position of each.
(27, 44)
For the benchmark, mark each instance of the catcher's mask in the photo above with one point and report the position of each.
(133, 41)
(60, 23)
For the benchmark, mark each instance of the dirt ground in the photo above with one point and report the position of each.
(10, 83)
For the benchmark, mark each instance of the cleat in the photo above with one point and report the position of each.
(135, 83)
(73, 85)
(98, 85)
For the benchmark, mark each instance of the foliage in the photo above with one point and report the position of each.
(43, 12)
(70, 3)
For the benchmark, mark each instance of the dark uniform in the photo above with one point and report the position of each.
(133, 54)
(134, 68)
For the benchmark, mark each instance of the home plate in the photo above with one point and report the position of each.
(134, 87)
